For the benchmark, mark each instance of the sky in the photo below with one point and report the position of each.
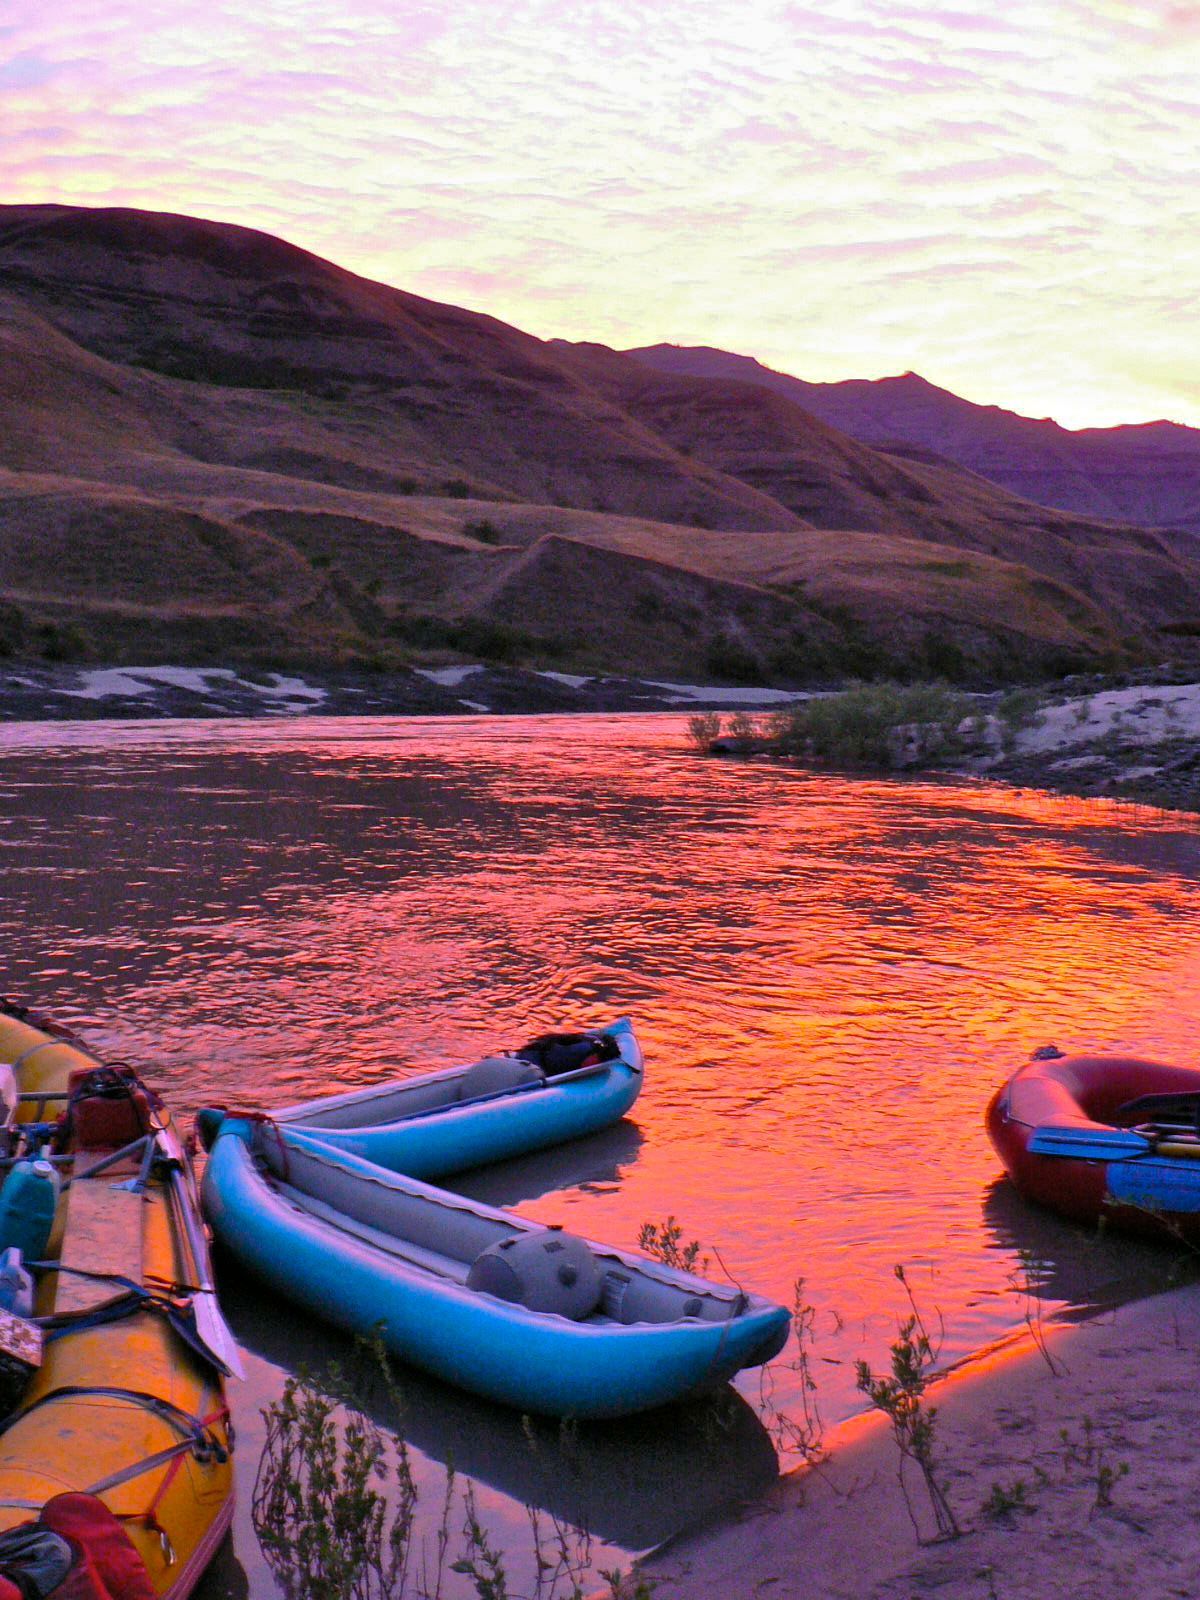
(1003, 197)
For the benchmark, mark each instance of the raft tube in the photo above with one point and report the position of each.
(129, 1410)
(485, 1299)
(1104, 1138)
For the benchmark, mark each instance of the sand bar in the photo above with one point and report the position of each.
(1107, 1447)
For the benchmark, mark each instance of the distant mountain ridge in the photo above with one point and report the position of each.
(1148, 473)
(218, 447)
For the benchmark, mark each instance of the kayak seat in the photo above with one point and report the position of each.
(369, 1109)
(494, 1074)
(548, 1271)
(636, 1297)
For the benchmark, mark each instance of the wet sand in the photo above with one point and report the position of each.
(1097, 1437)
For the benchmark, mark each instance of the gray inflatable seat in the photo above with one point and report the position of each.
(495, 1073)
(544, 1271)
(633, 1297)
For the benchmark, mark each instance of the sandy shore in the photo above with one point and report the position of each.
(1141, 741)
(1106, 1446)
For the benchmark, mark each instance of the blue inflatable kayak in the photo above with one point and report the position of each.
(528, 1315)
(555, 1088)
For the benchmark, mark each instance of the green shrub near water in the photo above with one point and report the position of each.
(858, 728)
(335, 1508)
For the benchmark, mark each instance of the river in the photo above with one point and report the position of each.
(829, 976)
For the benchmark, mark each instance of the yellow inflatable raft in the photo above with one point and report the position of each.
(128, 1403)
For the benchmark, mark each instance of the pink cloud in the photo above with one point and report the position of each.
(836, 186)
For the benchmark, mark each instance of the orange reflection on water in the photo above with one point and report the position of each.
(830, 975)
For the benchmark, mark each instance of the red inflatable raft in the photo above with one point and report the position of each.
(1104, 1137)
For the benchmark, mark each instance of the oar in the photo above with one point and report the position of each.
(211, 1326)
(1179, 1147)
(1085, 1143)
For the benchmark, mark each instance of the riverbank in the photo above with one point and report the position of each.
(1139, 742)
(1136, 739)
(70, 693)
(1070, 1470)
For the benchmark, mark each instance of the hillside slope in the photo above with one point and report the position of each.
(219, 447)
(1146, 473)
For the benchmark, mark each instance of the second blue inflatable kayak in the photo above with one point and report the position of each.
(558, 1087)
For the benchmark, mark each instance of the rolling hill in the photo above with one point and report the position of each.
(1145, 473)
(218, 447)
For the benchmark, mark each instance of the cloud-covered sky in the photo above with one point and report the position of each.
(1004, 198)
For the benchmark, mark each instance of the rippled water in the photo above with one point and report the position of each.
(829, 976)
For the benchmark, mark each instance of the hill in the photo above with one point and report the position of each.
(218, 447)
(1145, 473)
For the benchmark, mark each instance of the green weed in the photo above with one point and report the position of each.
(802, 1435)
(663, 1241)
(901, 1398)
(1026, 1280)
(335, 1501)
(1004, 1499)
(320, 1509)
(1089, 1452)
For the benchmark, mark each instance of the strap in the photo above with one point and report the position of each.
(173, 1452)
(195, 1430)
(200, 1443)
(265, 1122)
(146, 1463)
(170, 1287)
(205, 1447)
(27, 1055)
(176, 1301)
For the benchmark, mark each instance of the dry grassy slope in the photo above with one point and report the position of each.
(604, 591)
(264, 504)
(1141, 576)
(64, 408)
(897, 582)
(1147, 474)
(328, 375)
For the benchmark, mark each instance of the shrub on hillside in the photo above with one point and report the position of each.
(62, 642)
(730, 661)
(478, 637)
(13, 628)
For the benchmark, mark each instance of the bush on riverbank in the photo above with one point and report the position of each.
(882, 725)
(335, 1505)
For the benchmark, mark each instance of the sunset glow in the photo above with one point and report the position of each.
(1003, 201)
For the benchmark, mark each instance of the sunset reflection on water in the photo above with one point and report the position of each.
(829, 975)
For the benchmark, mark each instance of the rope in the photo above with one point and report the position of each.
(263, 1121)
